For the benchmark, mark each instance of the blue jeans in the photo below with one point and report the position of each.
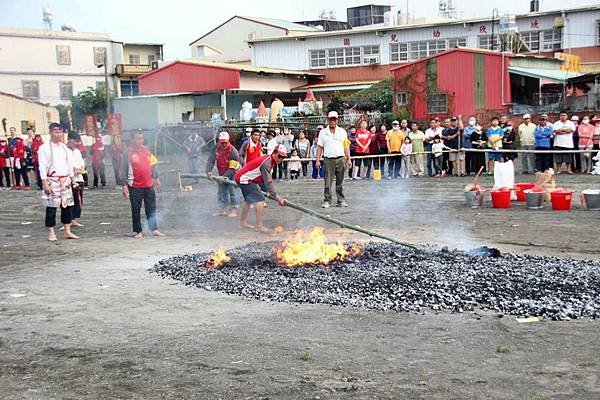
(317, 173)
(430, 168)
(227, 195)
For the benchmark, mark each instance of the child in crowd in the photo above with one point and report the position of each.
(294, 165)
(437, 149)
(406, 149)
(316, 172)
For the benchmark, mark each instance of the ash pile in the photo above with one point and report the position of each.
(390, 277)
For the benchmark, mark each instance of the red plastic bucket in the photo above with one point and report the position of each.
(561, 199)
(500, 198)
(520, 189)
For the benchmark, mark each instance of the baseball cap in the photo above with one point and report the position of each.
(544, 116)
(74, 136)
(332, 114)
(2, 139)
(395, 122)
(281, 150)
(223, 137)
(453, 119)
(320, 127)
(526, 116)
(248, 129)
(574, 118)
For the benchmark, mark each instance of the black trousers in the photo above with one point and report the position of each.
(5, 172)
(66, 216)
(137, 196)
(304, 168)
(117, 169)
(394, 165)
(38, 178)
(21, 172)
(99, 172)
(543, 161)
(78, 199)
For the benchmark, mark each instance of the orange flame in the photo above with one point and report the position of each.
(310, 248)
(217, 259)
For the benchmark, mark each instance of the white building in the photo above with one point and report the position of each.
(367, 54)
(51, 66)
(228, 41)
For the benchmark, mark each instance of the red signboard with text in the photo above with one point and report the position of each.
(114, 125)
(90, 123)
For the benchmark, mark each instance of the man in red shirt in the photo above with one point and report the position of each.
(252, 148)
(254, 179)
(226, 159)
(142, 178)
(117, 159)
(4, 162)
(35, 147)
(98, 161)
(19, 151)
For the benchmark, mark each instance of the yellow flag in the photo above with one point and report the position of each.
(153, 160)
(346, 143)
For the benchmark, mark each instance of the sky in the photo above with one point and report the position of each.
(176, 23)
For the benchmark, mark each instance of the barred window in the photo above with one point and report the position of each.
(335, 57)
(370, 54)
(317, 59)
(31, 89)
(63, 55)
(399, 52)
(552, 39)
(437, 103)
(532, 40)
(66, 90)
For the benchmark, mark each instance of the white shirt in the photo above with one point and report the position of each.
(55, 160)
(564, 140)
(332, 143)
(271, 144)
(77, 162)
(527, 134)
(430, 133)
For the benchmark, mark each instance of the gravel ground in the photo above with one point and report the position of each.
(389, 277)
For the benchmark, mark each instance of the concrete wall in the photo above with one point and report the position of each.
(29, 54)
(141, 50)
(137, 112)
(16, 110)
(171, 108)
(253, 82)
(232, 36)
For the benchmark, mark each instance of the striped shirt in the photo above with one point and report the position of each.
(257, 171)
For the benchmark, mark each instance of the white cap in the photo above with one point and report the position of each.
(332, 114)
(525, 116)
(248, 129)
(320, 127)
(223, 136)
(281, 150)
(395, 122)
(574, 118)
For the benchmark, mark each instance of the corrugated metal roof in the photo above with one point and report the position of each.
(338, 85)
(291, 26)
(459, 49)
(249, 68)
(555, 75)
(383, 28)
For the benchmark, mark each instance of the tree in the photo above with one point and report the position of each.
(90, 101)
(378, 97)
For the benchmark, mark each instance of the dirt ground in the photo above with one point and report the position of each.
(86, 320)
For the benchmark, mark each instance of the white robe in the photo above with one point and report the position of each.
(56, 167)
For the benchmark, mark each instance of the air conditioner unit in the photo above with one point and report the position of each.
(154, 65)
(371, 60)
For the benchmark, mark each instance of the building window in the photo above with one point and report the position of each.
(66, 90)
(485, 42)
(317, 58)
(63, 55)
(134, 59)
(130, 88)
(335, 57)
(352, 55)
(31, 89)
(99, 53)
(552, 39)
(457, 42)
(598, 32)
(532, 40)
(151, 59)
(399, 52)
(370, 54)
(402, 98)
(437, 103)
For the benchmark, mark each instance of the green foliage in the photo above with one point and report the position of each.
(89, 101)
(502, 349)
(305, 355)
(336, 366)
(338, 103)
(387, 118)
(378, 97)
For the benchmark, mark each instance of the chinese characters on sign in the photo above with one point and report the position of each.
(90, 122)
(535, 24)
(482, 29)
(437, 33)
(347, 42)
(571, 63)
(113, 124)
(394, 38)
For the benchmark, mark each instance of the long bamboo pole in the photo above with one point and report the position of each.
(298, 207)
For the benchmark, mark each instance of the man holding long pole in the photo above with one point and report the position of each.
(334, 149)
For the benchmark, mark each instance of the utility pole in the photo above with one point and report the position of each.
(106, 84)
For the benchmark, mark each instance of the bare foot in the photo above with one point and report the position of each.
(233, 213)
(246, 225)
(157, 233)
(52, 238)
(136, 235)
(220, 213)
(70, 235)
(75, 223)
(263, 229)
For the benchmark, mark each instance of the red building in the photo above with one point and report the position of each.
(456, 82)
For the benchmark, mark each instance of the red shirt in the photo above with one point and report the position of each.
(252, 152)
(35, 147)
(3, 155)
(98, 153)
(363, 137)
(19, 149)
(139, 171)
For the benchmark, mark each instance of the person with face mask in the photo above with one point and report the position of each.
(586, 133)
(526, 135)
(508, 141)
(471, 127)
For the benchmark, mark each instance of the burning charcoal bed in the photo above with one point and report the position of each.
(389, 277)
